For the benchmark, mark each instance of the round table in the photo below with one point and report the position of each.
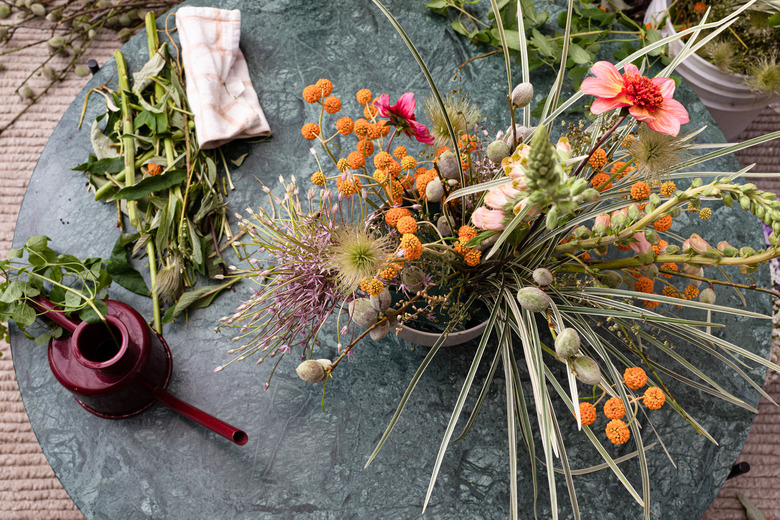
(302, 462)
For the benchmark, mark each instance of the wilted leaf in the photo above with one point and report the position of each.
(151, 185)
(101, 143)
(142, 78)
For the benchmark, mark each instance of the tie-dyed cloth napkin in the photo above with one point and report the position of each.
(218, 86)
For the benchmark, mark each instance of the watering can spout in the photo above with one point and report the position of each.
(199, 416)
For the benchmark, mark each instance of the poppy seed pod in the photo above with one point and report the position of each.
(382, 301)
(362, 312)
(314, 370)
(586, 370)
(434, 191)
(522, 95)
(533, 299)
(497, 150)
(707, 296)
(542, 277)
(380, 331)
(447, 164)
(567, 344)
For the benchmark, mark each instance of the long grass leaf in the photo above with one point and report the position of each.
(511, 429)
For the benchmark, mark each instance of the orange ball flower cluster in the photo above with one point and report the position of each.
(654, 398)
(614, 408)
(635, 378)
(411, 246)
(371, 286)
(599, 159)
(618, 432)
(587, 414)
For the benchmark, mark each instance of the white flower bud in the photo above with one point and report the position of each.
(586, 370)
(567, 344)
(314, 370)
(533, 299)
(542, 277)
(522, 95)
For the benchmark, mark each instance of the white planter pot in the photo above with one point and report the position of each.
(428, 339)
(732, 104)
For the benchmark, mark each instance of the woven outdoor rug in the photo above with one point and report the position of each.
(29, 489)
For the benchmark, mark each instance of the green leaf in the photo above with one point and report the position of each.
(145, 118)
(142, 78)
(88, 313)
(42, 340)
(118, 266)
(151, 185)
(198, 298)
(101, 143)
(73, 300)
(541, 43)
(37, 243)
(24, 315)
(15, 253)
(13, 292)
(774, 20)
(109, 165)
(238, 161)
(579, 55)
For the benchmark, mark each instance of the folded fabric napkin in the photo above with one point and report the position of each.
(218, 86)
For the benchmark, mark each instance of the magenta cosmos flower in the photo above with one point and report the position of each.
(402, 116)
(648, 100)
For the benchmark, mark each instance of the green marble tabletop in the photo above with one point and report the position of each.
(302, 462)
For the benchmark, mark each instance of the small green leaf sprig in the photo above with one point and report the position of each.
(78, 287)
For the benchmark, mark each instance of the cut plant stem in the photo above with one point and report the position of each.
(128, 143)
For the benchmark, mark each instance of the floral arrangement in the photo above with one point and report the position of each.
(567, 246)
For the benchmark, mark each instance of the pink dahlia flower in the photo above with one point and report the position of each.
(648, 100)
(401, 115)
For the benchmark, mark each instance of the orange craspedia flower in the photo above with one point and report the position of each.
(616, 168)
(670, 291)
(599, 179)
(342, 165)
(380, 176)
(640, 190)
(388, 273)
(614, 408)
(440, 150)
(650, 304)
(408, 163)
(467, 232)
(598, 159)
(668, 188)
(393, 215)
(623, 247)
(364, 96)
(587, 414)
(691, 292)
(347, 187)
(406, 225)
(406, 181)
(384, 127)
(382, 160)
(311, 93)
(331, 104)
(154, 169)
(669, 266)
(394, 168)
(663, 224)
(318, 179)
(422, 183)
(420, 171)
(467, 143)
(644, 284)
(699, 7)
(472, 256)
(635, 377)
(654, 398)
(412, 247)
(370, 111)
(356, 160)
(365, 147)
(399, 152)
(325, 86)
(374, 131)
(310, 131)
(371, 286)
(344, 125)
(361, 127)
(617, 432)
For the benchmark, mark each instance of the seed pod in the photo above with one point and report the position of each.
(413, 278)
(522, 95)
(49, 73)
(81, 71)
(314, 370)
(586, 370)
(444, 226)
(26, 92)
(707, 296)
(362, 312)
(434, 191)
(38, 10)
(567, 344)
(497, 150)
(447, 164)
(5, 11)
(542, 277)
(54, 17)
(380, 331)
(382, 302)
(533, 299)
(55, 42)
(611, 279)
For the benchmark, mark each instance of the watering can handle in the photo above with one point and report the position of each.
(54, 313)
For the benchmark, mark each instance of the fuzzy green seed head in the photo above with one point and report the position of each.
(586, 370)
(497, 150)
(542, 277)
(567, 344)
(533, 299)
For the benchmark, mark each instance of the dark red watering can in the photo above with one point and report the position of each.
(119, 368)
